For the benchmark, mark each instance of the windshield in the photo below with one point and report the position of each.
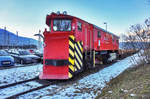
(3, 53)
(24, 53)
(62, 25)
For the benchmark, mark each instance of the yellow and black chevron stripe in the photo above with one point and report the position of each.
(75, 56)
(78, 55)
(71, 55)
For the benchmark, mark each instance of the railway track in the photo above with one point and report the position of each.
(10, 67)
(61, 82)
(20, 82)
(23, 85)
(30, 90)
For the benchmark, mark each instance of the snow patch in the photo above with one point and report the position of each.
(88, 87)
(8, 76)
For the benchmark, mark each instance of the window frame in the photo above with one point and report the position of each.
(113, 38)
(79, 29)
(98, 34)
(63, 30)
(50, 25)
(117, 41)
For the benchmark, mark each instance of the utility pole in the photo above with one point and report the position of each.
(8, 40)
(39, 41)
(29, 43)
(106, 25)
(17, 43)
(5, 40)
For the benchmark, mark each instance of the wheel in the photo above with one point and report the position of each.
(105, 59)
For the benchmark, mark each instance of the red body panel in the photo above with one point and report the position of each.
(88, 34)
(90, 39)
(53, 72)
(56, 46)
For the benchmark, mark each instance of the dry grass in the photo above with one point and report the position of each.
(133, 81)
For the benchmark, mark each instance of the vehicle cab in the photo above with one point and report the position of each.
(57, 46)
(60, 23)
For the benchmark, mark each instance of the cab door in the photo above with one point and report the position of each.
(86, 38)
(98, 39)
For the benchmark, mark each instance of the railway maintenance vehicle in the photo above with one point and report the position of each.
(72, 44)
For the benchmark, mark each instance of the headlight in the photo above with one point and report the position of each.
(55, 28)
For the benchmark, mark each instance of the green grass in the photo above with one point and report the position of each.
(135, 80)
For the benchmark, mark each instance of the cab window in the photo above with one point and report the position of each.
(117, 41)
(49, 25)
(113, 38)
(62, 25)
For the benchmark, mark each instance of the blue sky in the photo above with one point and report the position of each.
(28, 16)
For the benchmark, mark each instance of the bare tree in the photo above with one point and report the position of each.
(138, 38)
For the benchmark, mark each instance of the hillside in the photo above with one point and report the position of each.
(8, 38)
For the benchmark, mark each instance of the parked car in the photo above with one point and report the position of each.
(37, 53)
(6, 59)
(24, 57)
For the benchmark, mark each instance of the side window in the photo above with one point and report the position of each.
(49, 25)
(79, 25)
(117, 41)
(113, 39)
(98, 34)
